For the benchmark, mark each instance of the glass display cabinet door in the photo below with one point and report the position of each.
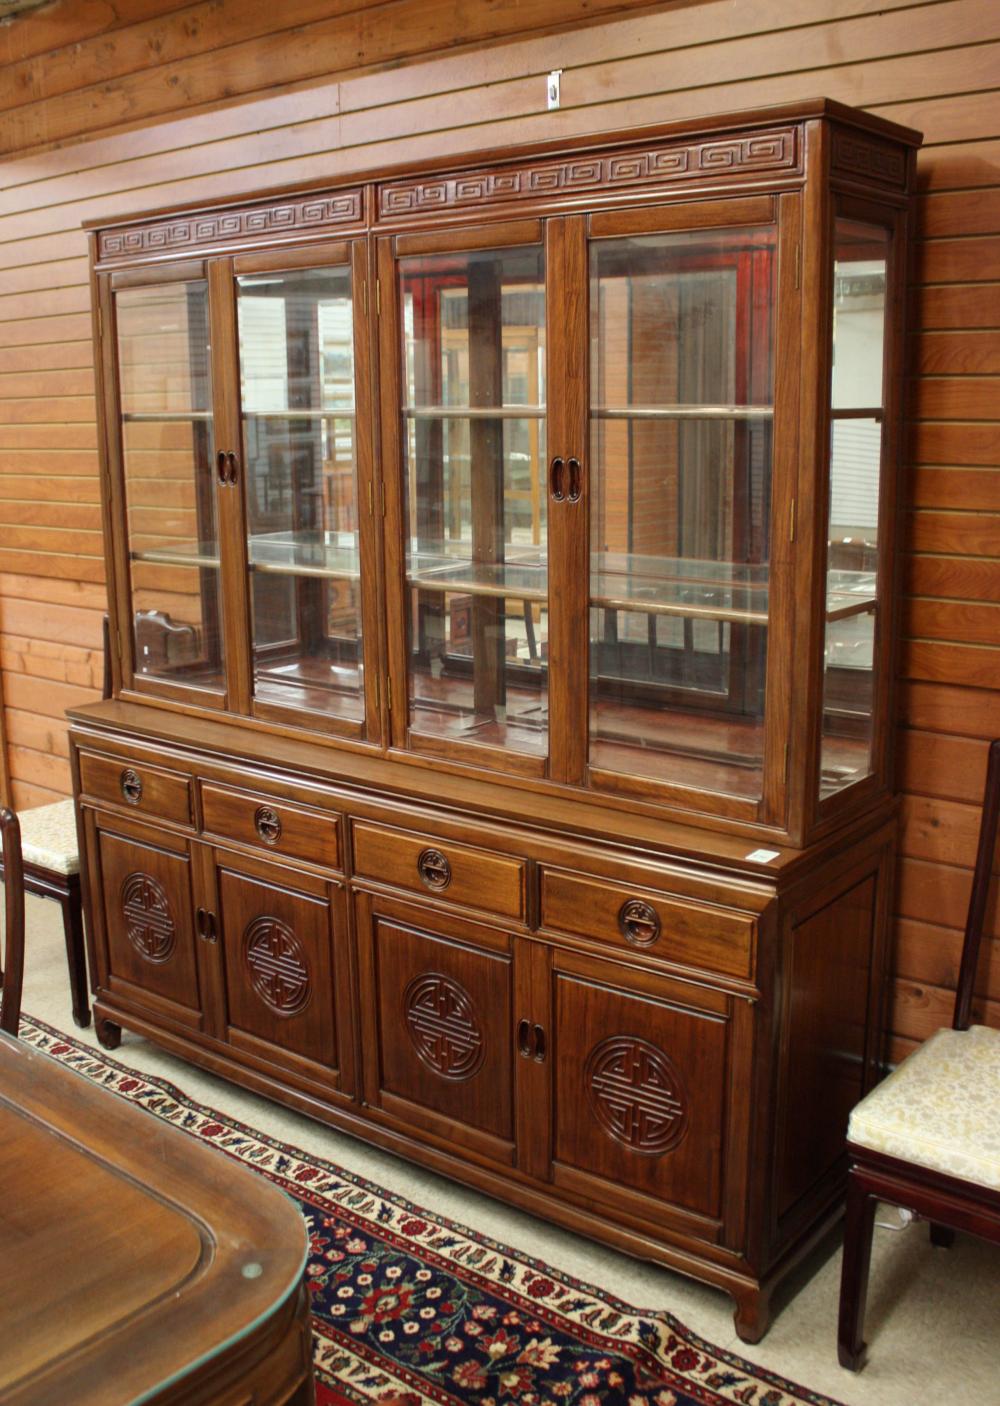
(471, 435)
(303, 370)
(167, 442)
(860, 267)
(681, 421)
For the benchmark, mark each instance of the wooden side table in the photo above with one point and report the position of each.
(138, 1263)
(52, 870)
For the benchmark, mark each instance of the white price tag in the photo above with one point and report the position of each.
(763, 856)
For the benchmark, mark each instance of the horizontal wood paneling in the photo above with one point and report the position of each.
(116, 108)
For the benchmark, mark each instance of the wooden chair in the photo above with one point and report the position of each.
(13, 964)
(49, 866)
(928, 1137)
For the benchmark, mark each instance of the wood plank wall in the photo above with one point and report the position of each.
(161, 68)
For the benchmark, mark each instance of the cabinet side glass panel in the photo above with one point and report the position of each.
(296, 338)
(473, 431)
(167, 439)
(681, 432)
(859, 282)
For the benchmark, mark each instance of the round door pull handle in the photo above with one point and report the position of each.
(130, 784)
(267, 823)
(556, 479)
(221, 467)
(639, 922)
(575, 476)
(232, 467)
(434, 869)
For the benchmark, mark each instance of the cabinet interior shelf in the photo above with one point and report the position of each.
(682, 412)
(348, 413)
(152, 417)
(474, 412)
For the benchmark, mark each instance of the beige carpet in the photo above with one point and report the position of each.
(933, 1317)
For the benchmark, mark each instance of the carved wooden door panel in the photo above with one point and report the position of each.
(644, 1078)
(437, 1024)
(144, 931)
(286, 987)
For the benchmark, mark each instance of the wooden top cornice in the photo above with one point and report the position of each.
(716, 153)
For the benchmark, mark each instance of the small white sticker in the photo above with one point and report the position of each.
(763, 856)
(552, 87)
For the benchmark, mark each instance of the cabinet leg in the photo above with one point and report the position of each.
(942, 1236)
(753, 1313)
(109, 1035)
(854, 1274)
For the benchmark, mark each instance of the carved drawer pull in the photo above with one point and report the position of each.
(267, 823)
(434, 869)
(638, 922)
(531, 1041)
(130, 783)
(204, 923)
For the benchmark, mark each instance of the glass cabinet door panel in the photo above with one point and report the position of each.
(296, 334)
(473, 329)
(167, 440)
(681, 425)
(859, 275)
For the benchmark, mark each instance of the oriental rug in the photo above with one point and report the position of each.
(410, 1308)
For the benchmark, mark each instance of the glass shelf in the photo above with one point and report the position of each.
(348, 413)
(329, 554)
(474, 412)
(523, 576)
(151, 417)
(682, 412)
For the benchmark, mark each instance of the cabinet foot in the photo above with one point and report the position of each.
(753, 1314)
(109, 1035)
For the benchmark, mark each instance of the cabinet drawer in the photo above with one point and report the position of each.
(149, 790)
(300, 833)
(645, 920)
(425, 864)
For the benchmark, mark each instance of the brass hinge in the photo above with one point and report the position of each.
(100, 320)
(791, 522)
(388, 694)
(784, 764)
(381, 489)
(378, 297)
(378, 695)
(798, 266)
(371, 499)
(364, 297)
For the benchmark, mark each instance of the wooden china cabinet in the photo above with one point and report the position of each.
(501, 568)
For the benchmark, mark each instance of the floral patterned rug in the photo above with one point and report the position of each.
(409, 1308)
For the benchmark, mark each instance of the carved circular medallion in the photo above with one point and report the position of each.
(277, 965)
(444, 1025)
(130, 783)
(149, 922)
(636, 1094)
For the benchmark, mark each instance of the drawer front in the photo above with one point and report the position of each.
(424, 864)
(149, 790)
(645, 920)
(271, 825)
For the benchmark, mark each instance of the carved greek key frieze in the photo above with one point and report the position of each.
(761, 151)
(149, 923)
(857, 155)
(279, 972)
(311, 214)
(636, 1094)
(444, 1026)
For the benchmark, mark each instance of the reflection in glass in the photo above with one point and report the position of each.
(860, 257)
(474, 442)
(167, 447)
(681, 424)
(297, 386)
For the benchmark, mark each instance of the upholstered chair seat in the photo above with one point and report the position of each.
(940, 1108)
(48, 837)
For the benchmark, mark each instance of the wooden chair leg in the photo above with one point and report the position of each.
(942, 1235)
(76, 960)
(854, 1274)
